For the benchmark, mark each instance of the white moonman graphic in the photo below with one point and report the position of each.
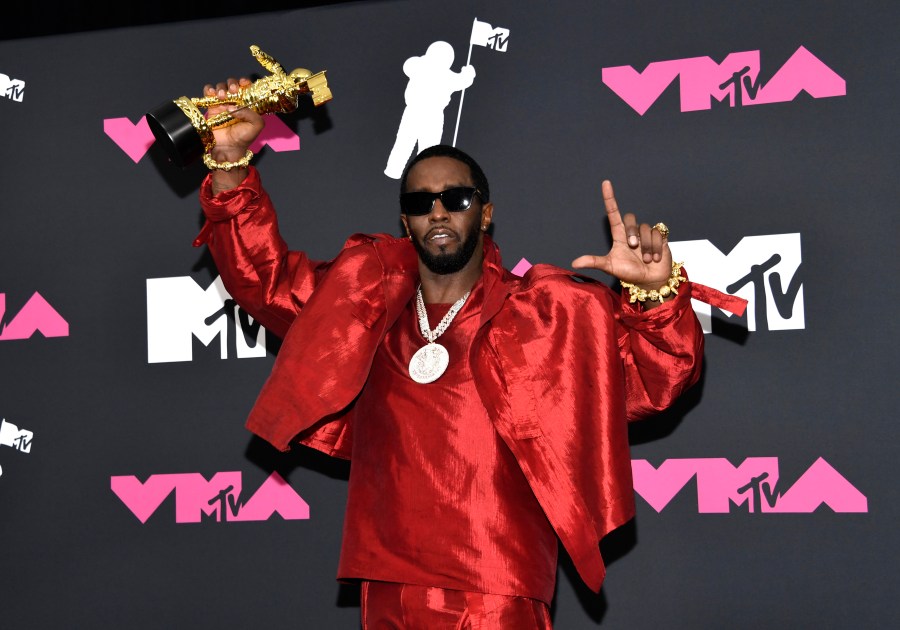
(431, 84)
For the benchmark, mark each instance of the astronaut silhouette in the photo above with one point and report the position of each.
(431, 84)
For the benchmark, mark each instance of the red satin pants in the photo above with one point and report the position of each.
(391, 606)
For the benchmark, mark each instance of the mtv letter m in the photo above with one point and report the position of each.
(178, 309)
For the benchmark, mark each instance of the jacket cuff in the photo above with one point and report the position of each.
(635, 316)
(230, 203)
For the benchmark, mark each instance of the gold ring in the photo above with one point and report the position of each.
(662, 229)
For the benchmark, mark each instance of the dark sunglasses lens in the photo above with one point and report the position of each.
(417, 203)
(457, 199)
(453, 200)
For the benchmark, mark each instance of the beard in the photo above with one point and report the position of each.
(446, 263)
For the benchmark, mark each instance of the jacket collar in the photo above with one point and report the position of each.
(400, 264)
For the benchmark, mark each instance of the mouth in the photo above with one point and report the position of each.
(440, 236)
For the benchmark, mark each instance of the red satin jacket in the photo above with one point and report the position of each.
(561, 362)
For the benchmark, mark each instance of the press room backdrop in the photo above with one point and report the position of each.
(763, 133)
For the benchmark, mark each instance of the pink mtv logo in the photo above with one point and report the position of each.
(36, 316)
(219, 498)
(754, 483)
(736, 78)
(135, 139)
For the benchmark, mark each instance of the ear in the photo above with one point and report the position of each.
(405, 222)
(487, 213)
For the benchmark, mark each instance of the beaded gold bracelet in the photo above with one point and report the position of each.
(212, 165)
(636, 294)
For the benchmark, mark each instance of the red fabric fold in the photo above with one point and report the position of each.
(724, 301)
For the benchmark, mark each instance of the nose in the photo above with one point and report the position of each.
(438, 212)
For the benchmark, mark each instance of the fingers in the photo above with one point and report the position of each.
(625, 227)
(227, 87)
(652, 243)
(225, 92)
(224, 88)
(658, 243)
(612, 211)
(632, 230)
(246, 114)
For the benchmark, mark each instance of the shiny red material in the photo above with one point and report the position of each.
(390, 606)
(436, 498)
(560, 361)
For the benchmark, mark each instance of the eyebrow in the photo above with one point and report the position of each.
(446, 187)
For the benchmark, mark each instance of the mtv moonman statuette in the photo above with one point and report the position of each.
(185, 132)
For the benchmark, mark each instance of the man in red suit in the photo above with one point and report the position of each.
(485, 414)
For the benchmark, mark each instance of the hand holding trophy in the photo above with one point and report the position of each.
(186, 133)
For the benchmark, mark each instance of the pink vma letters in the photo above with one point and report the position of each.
(754, 484)
(36, 316)
(219, 498)
(736, 78)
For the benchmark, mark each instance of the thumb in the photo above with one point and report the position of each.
(589, 261)
(245, 114)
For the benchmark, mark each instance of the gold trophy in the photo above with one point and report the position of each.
(184, 131)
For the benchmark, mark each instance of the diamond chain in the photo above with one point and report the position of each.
(425, 327)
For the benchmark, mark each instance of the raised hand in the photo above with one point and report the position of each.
(232, 141)
(640, 253)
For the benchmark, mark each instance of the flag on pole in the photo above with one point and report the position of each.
(483, 34)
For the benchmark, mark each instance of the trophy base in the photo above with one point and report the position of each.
(175, 132)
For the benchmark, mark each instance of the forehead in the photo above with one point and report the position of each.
(438, 173)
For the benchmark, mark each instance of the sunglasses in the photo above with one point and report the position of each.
(453, 200)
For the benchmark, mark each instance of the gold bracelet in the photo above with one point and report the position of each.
(636, 294)
(212, 165)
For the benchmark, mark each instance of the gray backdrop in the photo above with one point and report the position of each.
(765, 498)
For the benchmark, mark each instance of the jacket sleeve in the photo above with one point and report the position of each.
(662, 352)
(261, 274)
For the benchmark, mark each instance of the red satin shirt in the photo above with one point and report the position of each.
(436, 498)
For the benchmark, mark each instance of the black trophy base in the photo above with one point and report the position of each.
(173, 130)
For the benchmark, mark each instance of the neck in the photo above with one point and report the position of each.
(447, 288)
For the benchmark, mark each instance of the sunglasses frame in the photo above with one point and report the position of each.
(435, 197)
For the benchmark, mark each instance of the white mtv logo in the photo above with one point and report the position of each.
(11, 435)
(178, 309)
(13, 89)
(760, 269)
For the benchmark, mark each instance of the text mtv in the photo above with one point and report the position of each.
(13, 89)
(11, 435)
(764, 270)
